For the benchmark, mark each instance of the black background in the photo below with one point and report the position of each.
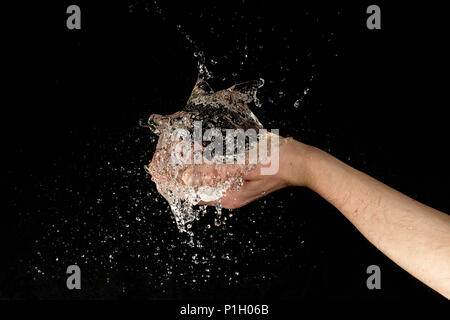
(74, 153)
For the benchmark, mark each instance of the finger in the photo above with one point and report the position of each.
(210, 203)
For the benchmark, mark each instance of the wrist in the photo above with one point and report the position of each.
(296, 160)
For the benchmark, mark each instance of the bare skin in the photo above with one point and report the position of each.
(413, 235)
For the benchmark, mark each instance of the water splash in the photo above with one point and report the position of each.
(300, 101)
(186, 185)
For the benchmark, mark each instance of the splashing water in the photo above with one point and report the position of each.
(185, 185)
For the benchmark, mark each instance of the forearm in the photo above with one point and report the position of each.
(413, 235)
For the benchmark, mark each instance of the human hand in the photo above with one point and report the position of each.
(293, 171)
